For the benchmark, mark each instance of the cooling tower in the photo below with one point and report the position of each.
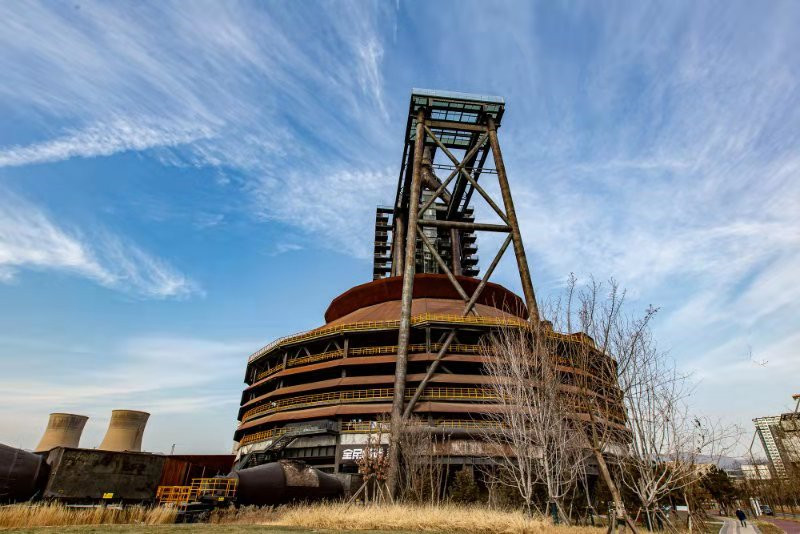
(125, 431)
(63, 430)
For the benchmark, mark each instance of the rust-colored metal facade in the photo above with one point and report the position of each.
(317, 395)
(326, 388)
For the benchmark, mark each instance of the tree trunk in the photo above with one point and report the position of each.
(619, 506)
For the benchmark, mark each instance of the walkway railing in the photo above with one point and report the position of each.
(386, 325)
(365, 395)
(365, 427)
(263, 435)
(455, 348)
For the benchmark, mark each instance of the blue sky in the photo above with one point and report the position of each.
(180, 183)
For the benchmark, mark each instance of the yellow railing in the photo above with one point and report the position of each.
(458, 348)
(174, 494)
(365, 395)
(390, 324)
(370, 395)
(362, 427)
(215, 487)
(371, 351)
(468, 424)
(367, 351)
(366, 427)
(263, 435)
(219, 488)
(270, 371)
(338, 353)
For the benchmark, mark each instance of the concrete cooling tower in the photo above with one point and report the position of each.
(63, 430)
(125, 431)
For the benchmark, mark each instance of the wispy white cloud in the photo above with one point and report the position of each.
(155, 365)
(134, 269)
(29, 239)
(284, 247)
(173, 378)
(265, 92)
(117, 135)
(337, 207)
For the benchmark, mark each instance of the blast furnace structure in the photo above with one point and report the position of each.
(407, 343)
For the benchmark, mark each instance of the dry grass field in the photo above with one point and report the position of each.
(768, 528)
(50, 514)
(334, 517)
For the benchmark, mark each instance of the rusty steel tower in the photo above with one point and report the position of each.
(408, 346)
(431, 216)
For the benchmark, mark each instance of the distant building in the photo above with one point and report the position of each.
(780, 437)
(756, 472)
(788, 441)
(766, 428)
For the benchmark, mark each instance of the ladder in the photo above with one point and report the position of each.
(262, 456)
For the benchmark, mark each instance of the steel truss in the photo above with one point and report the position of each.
(434, 125)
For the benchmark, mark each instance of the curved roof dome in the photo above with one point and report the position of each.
(433, 293)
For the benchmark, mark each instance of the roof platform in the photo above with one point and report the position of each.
(459, 120)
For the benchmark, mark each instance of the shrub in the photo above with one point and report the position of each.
(464, 489)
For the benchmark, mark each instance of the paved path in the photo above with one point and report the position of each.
(732, 526)
(790, 527)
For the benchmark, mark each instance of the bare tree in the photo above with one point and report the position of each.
(535, 423)
(595, 354)
(633, 400)
(373, 466)
(669, 446)
(422, 474)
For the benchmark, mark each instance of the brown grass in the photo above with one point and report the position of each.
(54, 514)
(444, 518)
(330, 516)
(768, 528)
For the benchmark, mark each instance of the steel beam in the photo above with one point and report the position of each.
(443, 265)
(446, 345)
(432, 369)
(483, 193)
(461, 225)
(453, 174)
(459, 189)
(519, 249)
(404, 330)
(485, 279)
(463, 126)
(429, 178)
(442, 188)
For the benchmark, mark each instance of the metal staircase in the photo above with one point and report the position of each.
(270, 453)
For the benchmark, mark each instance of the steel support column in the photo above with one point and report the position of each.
(398, 239)
(455, 251)
(405, 310)
(511, 215)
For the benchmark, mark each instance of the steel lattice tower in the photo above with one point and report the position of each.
(440, 122)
